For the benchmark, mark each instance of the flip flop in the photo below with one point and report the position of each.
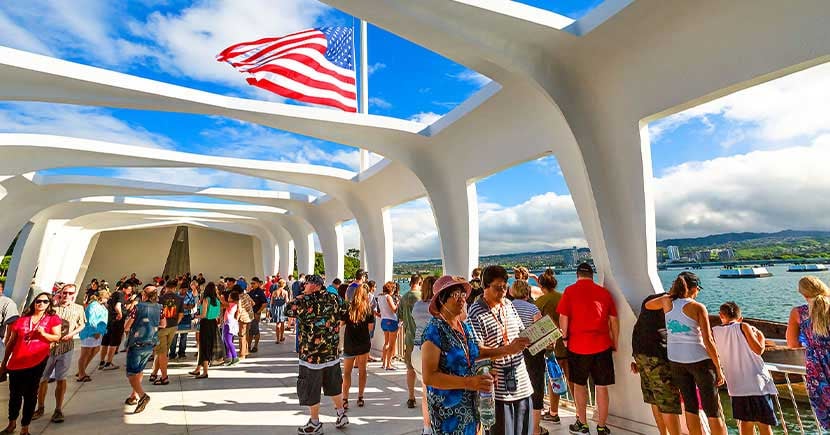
(85, 379)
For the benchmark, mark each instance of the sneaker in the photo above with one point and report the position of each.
(410, 403)
(142, 403)
(311, 428)
(57, 417)
(342, 420)
(38, 413)
(551, 418)
(603, 430)
(579, 427)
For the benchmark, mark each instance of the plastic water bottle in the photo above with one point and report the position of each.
(555, 376)
(486, 405)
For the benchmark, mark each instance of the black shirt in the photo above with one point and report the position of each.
(356, 340)
(649, 335)
(258, 296)
(171, 306)
(116, 298)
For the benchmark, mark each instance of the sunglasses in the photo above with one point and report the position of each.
(42, 301)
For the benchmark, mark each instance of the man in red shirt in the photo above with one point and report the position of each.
(588, 319)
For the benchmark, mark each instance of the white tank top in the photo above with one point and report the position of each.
(685, 342)
(745, 372)
(385, 310)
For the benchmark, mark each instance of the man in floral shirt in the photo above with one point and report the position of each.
(319, 313)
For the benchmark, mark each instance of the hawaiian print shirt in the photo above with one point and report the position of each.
(319, 315)
(453, 411)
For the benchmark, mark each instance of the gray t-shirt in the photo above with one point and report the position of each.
(8, 314)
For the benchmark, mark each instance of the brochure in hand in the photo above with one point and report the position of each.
(542, 333)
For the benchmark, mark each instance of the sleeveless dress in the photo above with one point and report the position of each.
(278, 309)
(818, 367)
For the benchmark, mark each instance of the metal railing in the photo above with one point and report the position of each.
(794, 376)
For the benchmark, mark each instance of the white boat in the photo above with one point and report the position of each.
(807, 268)
(744, 272)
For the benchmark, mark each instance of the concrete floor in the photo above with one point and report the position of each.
(258, 396)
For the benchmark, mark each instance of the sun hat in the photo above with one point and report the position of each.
(442, 284)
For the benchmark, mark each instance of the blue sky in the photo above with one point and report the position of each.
(175, 42)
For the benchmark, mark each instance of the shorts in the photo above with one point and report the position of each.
(389, 325)
(166, 337)
(115, 332)
(137, 357)
(597, 366)
(92, 341)
(536, 370)
(407, 355)
(253, 329)
(310, 381)
(757, 409)
(59, 364)
(656, 384)
(416, 361)
(695, 377)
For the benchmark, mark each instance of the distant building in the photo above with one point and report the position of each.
(727, 254)
(703, 255)
(674, 252)
(585, 255)
(574, 260)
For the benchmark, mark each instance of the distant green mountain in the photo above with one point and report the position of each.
(730, 238)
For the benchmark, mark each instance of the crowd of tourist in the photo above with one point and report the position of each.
(451, 329)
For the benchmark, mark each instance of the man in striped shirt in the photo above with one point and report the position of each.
(497, 323)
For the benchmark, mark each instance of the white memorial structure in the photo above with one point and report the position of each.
(583, 91)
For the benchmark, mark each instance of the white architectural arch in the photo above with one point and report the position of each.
(585, 90)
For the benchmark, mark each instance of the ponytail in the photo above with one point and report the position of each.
(818, 295)
(679, 289)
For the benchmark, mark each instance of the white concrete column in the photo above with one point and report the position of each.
(331, 242)
(455, 207)
(376, 234)
(13, 278)
(52, 252)
(27, 262)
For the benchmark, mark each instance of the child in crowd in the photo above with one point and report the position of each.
(749, 383)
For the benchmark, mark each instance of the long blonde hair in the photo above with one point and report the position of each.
(818, 295)
(359, 307)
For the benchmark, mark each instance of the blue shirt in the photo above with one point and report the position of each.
(145, 328)
(331, 289)
(96, 320)
(453, 411)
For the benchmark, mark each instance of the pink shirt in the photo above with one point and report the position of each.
(31, 348)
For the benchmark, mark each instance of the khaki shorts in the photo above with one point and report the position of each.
(166, 337)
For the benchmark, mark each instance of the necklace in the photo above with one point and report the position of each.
(29, 336)
(461, 336)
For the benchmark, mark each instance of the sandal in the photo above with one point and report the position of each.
(153, 378)
(162, 381)
(345, 403)
(131, 401)
(360, 402)
(85, 379)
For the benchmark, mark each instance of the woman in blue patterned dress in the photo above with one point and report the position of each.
(809, 326)
(449, 352)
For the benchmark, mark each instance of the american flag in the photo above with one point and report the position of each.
(314, 65)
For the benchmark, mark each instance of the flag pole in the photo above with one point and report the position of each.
(364, 85)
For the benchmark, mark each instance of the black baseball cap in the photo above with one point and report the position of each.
(584, 268)
(255, 279)
(315, 279)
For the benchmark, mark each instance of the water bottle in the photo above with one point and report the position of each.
(486, 405)
(555, 376)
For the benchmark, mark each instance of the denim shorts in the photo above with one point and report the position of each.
(389, 325)
(137, 357)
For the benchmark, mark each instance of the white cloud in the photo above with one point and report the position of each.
(379, 103)
(190, 39)
(425, 117)
(791, 107)
(471, 76)
(767, 190)
(375, 67)
(77, 29)
(76, 121)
